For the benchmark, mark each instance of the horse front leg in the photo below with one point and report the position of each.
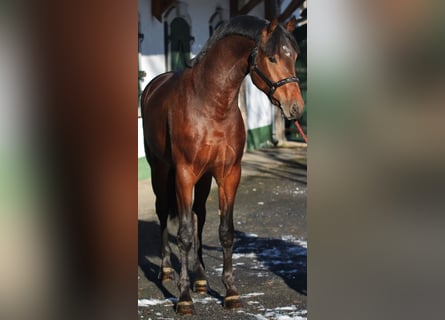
(184, 190)
(202, 189)
(227, 191)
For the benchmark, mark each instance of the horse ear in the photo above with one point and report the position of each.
(272, 25)
(290, 25)
(268, 29)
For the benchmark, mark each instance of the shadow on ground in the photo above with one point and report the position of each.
(282, 257)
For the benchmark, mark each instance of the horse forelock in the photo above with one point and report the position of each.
(279, 37)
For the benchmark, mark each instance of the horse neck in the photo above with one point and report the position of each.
(220, 72)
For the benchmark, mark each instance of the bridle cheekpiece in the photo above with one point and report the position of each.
(273, 86)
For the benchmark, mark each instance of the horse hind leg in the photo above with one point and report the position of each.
(202, 189)
(163, 187)
(166, 272)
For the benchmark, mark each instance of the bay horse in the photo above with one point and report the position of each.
(193, 131)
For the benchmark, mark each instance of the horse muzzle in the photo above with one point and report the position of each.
(292, 111)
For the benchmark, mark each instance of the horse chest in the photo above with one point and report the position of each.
(212, 157)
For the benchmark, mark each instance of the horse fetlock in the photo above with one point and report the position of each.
(184, 286)
(199, 271)
(228, 281)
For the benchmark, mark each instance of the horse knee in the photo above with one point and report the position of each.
(226, 243)
(226, 237)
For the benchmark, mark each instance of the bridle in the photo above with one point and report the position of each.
(273, 86)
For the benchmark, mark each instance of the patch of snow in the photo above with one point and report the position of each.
(171, 301)
(252, 235)
(253, 294)
(154, 302)
(284, 313)
(205, 300)
(243, 255)
(290, 238)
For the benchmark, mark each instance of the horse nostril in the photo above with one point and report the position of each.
(294, 109)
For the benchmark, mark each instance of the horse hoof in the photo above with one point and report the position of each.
(232, 302)
(184, 308)
(201, 286)
(167, 274)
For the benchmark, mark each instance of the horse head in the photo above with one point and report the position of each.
(272, 68)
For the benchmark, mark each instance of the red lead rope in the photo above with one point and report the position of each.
(301, 131)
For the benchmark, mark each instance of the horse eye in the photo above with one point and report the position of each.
(272, 59)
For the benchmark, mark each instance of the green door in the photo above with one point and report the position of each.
(180, 40)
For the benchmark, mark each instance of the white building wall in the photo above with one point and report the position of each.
(259, 108)
(151, 57)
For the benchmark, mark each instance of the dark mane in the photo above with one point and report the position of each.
(250, 27)
(246, 26)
